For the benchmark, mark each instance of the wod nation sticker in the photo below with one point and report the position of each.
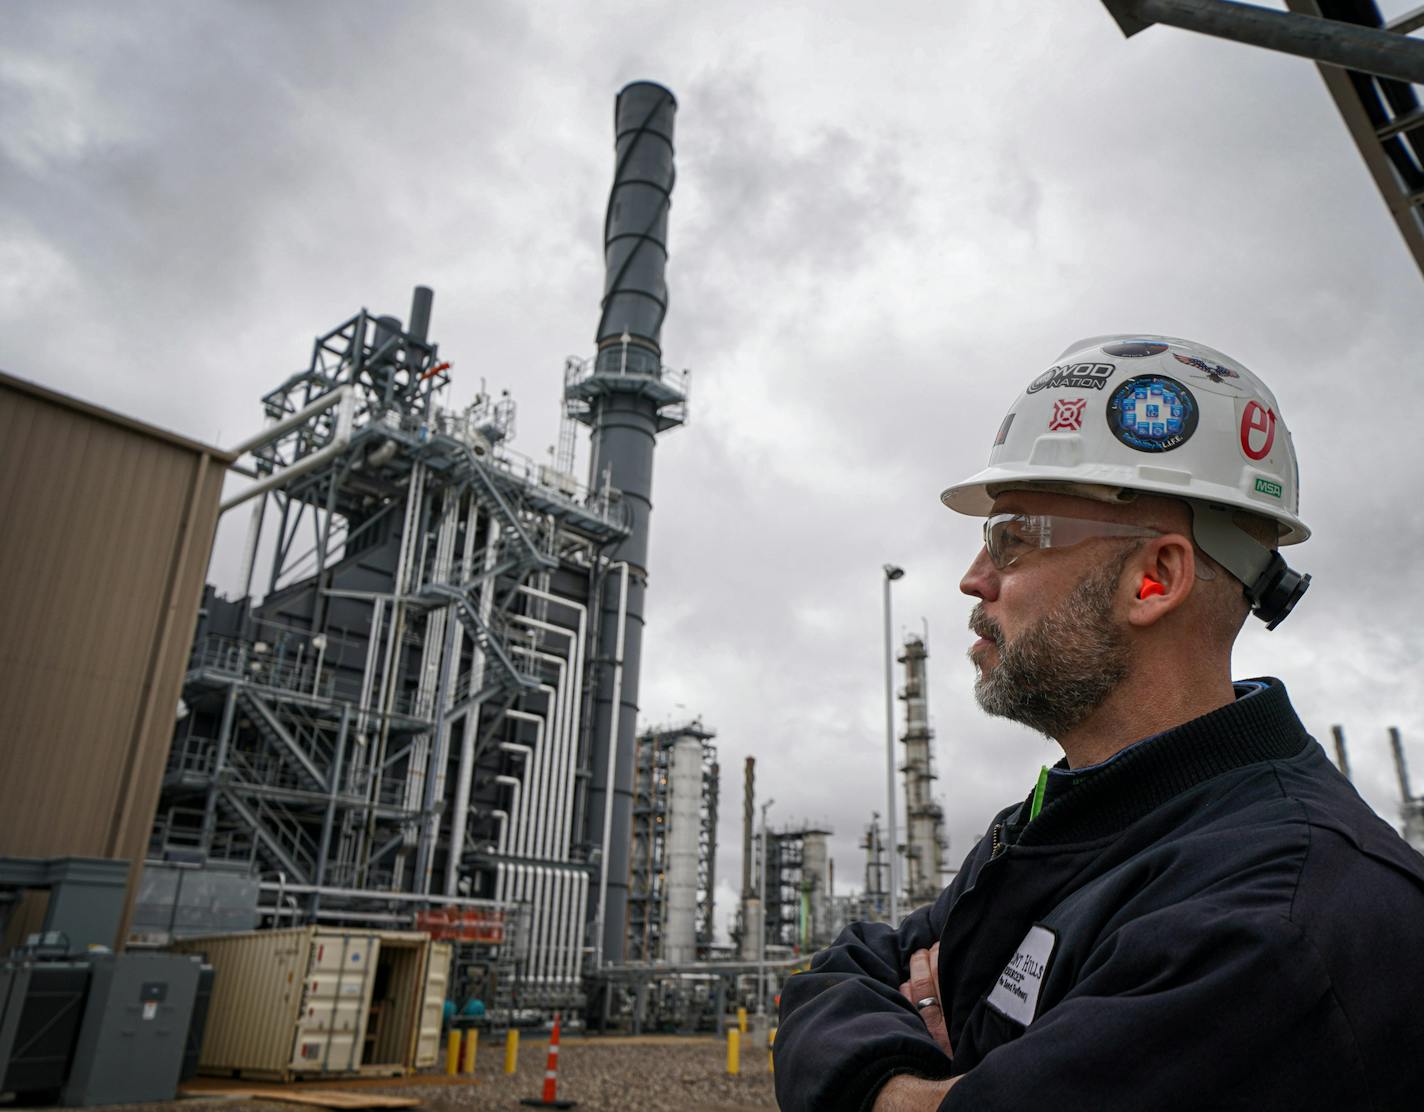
(1152, 413)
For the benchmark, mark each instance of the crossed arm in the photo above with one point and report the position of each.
(905, 1092)
(851, 1034)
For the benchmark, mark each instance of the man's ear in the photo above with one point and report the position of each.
(1163, 575)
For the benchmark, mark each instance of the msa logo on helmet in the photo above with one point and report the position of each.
(1134, 349)
(1080, 376)
(1152, 413)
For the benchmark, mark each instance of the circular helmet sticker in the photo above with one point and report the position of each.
(1135, 349)
(1152, 413)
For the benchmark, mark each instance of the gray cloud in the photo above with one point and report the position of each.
(885, 224)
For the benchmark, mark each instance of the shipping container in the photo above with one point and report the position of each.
(311, 1000)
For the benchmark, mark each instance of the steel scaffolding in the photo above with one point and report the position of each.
(925, 843)
(402, 721)
(661, 883)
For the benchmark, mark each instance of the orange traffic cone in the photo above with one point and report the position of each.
(551, 1076)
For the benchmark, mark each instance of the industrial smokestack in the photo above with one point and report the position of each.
(627, 399)
(748, 813)
(635, 295)
(1342, 759)
(420, 304)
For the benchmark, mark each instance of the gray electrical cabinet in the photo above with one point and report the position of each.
(41, 1007)
(135, 1029)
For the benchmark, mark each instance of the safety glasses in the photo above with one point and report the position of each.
(1009, 537)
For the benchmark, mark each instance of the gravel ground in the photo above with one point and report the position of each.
(652, 1074)
(646, 1075)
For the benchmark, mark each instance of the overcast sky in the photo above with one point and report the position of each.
(888, 218)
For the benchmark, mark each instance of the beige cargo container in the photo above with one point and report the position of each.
(310, 1000)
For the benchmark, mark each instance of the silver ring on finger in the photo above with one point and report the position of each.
(926, 1002)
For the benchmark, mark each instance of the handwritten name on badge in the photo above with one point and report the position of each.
(1016, 994)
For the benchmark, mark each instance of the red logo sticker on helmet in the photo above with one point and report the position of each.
(1258, 430)
(1067, 415)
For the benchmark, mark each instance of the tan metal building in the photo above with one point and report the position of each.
(106, 525)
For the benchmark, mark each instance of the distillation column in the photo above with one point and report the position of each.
(816, 886)
(924, 827)
(627, 398)
(684, 825)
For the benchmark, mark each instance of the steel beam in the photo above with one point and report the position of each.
(1329, 41)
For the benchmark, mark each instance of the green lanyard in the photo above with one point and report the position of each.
(1038, 791)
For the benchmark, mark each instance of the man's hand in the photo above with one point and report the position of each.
(920, 989)
(905, 1093)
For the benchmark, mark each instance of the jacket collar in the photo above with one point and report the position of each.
(1260, 727)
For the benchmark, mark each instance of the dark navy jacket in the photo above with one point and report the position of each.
(1212, 920)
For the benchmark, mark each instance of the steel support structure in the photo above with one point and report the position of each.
(396, 725)
(1370, 67)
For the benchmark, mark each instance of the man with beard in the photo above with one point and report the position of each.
(1193, 909)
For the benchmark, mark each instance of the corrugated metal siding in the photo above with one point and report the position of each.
(432, 1009)
(336, 1002)
(259, 980)
(298, 1001)
(106, 526)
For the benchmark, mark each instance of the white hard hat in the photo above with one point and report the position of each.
(1158, 415)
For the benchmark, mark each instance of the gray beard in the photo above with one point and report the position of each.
(1059, 670)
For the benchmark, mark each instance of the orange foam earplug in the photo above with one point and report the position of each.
(1150, 587)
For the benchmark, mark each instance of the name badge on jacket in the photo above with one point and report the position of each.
(1015, 996)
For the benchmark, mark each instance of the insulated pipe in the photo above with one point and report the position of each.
(527, 753)
(581, 882)
(503, 817)
(548, 842)
(611, 766)
(533, 801)
(460, 809)
(513, 785)
(539, 958)
(342, 396)
(546, 760)
(575, 689)
(569, 683)
(559, 906)
(341, 437)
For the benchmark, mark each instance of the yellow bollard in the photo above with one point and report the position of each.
(742, 1020)
(770, 1055)
(452, 1053)
(467, 1056)
(734, 1052)
(511, 1051)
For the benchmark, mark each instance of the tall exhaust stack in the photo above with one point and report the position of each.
(627, 397)
(752, 920)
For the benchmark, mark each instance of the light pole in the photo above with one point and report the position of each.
(765, 919)
(892, 573)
